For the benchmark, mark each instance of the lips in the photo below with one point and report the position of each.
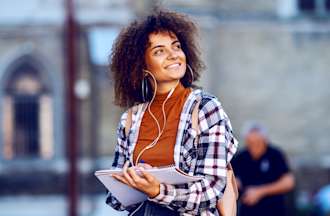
(173, 66)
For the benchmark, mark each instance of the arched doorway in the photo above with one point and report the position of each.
(27, 120)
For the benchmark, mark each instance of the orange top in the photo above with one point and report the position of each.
(162, 154)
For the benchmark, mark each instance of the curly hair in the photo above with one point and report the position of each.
(127, 58)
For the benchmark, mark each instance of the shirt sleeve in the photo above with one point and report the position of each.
(119, 160)
(281, 167)
(216, 146)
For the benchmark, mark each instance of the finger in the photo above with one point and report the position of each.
(120, 178)
(125, 167)
(147, 176)
(128, 178)
(133, 174)
(140, 181)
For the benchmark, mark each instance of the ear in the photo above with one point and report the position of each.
(146, 73)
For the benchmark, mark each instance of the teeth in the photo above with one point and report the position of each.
(173, 66)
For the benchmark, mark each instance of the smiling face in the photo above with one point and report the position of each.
(165, 59)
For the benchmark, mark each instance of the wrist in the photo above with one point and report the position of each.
(155, 192)
(262, 191)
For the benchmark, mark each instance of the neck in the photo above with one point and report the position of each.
(164, 87)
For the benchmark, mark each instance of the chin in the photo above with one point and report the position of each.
(177, 77)
(179, 74)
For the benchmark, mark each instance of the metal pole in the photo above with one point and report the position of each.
(71, 108)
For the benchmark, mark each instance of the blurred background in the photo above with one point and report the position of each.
(266, 60)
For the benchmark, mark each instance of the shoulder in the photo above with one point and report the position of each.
(241, 159)
(126, 120)
(210, 110)
(274, 150)
(123, 118)
(121, 125)
(243, 154)
(132, 112)
(209, 105)
(206, 97)
(276, 154)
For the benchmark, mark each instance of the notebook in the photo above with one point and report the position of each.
(128, 196)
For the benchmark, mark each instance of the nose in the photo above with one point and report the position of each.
(172, 55)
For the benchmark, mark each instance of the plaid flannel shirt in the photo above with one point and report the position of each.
(205, 154)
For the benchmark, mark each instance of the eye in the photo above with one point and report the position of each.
(159, 52)
(177, 46)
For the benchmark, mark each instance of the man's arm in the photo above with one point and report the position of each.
(239, 184)
(283, 185)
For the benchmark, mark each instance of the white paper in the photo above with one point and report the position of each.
(128, 196)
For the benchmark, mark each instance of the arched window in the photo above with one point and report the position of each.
(27, 120)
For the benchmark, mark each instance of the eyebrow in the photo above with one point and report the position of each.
(176, 41)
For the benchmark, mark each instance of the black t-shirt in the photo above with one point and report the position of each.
(269, 168)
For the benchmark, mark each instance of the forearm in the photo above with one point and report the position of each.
(192, 198)
(118, 163)
(283, 185)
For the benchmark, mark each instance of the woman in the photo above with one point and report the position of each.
(154, 64)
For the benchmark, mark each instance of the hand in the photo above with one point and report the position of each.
(252, 195)
(144, 165)
(145, 182)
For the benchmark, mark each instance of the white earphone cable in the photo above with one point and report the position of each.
(160, 132)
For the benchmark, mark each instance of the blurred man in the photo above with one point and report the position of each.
(262, 174)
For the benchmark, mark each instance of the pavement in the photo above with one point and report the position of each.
(54, 205)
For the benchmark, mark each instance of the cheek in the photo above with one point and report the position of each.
(153, 64)
(182, 56)
(157, 64)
